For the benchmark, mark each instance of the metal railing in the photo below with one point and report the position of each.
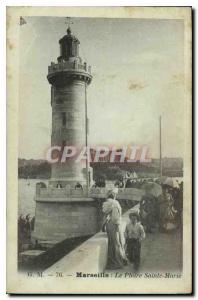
(61, 66)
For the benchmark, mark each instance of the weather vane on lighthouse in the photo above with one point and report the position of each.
(68, 22)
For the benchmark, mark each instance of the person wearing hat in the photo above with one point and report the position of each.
(134, 234)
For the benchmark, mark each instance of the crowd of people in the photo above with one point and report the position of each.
(160, 209)
(25, 227)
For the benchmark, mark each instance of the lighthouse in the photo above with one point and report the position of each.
(69, 79)
(62, 210)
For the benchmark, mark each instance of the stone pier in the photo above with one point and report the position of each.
(161, 252)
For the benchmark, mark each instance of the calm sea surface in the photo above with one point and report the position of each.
(27, 189)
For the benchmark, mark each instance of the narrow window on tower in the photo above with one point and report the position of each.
(64, 119)
(62, 148)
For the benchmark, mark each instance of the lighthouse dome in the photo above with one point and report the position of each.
(69, 46)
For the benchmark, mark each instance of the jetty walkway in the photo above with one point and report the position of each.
(160, 252)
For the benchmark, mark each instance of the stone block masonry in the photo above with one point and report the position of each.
(59, 221)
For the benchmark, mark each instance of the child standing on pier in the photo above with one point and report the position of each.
(134, 234)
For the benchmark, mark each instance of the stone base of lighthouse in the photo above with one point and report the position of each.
(58, 219)
(64, 211)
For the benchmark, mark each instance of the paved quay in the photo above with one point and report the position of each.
(161, 252)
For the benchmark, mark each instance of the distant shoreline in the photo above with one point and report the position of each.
(41, 169)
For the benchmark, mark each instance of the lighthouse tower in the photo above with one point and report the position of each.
(69, 78)
(62, 210)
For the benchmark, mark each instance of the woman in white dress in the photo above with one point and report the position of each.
(113, 213)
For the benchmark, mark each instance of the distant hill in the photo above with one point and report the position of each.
(33, 168)
(37, 168)
(171, 167)
(30, 162)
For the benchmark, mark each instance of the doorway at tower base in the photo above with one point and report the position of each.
(59, 219)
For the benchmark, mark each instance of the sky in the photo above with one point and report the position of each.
(137, 67)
